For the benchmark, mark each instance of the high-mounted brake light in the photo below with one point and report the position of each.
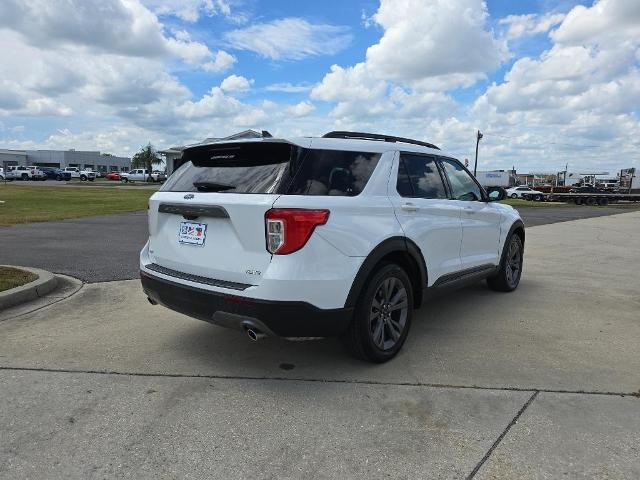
(287, 230)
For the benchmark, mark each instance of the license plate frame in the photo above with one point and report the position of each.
(192, 233)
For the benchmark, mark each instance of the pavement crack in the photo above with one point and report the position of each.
(513, 421)
(318, 380)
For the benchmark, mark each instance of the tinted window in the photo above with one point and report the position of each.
(333, 172)
(463, 187)
(418, 176)
(272, 168)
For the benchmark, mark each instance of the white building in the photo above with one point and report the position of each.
(94, 160)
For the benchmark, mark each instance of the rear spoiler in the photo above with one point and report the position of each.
(229, 154)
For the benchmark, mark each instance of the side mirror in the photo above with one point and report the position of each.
(496, 194)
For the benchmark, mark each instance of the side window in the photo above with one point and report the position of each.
(463, 187)
(418, 176)
(333, 172)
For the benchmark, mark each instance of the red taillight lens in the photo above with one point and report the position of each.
(287, 230)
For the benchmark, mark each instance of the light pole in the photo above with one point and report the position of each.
(475, 165)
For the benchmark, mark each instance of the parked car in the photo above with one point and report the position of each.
(522, 192)
(142, 175)
(113, 176)
(96, 173)
(37, 173)
(20, 172)
(55, 173)
(308, 237)
(1, 173)
(83, 175)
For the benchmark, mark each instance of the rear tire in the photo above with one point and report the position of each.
(510, 271)
(591, 201)
(578, 201)
(604, 201)
(514, 195)
(382, 316)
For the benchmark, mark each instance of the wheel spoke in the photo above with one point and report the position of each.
(375, 305)
(398, 296)
(378, 334)
(389, 284)
(395, 329)
(399, 306)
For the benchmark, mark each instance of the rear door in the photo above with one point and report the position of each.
(480, 219)
(208, 218)
(427, 215)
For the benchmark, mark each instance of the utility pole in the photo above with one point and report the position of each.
(475, 166)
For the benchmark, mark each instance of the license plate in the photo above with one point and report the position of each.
(192, 233)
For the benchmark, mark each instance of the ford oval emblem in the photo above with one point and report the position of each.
(188, 196)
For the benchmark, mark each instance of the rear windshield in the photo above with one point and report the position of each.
(273, 168)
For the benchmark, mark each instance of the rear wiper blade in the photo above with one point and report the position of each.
(212, 186)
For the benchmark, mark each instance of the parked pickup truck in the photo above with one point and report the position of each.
(20, 172)
(142, 175)
(83, 175)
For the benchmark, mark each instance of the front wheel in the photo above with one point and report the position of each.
(514, 195)
(508, 277)
(382, 316)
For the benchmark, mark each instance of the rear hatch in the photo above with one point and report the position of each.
(208, 219)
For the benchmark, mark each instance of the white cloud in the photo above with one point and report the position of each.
(419, 60)
(582, 91)
(431, 39)
(607, 20)
(236, 83)
(189, 10)
(290, 39)
(301, 109)
(117, 27)
(288, 88)
(222, 61)
(528, 25)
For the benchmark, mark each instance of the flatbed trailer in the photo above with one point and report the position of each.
(603, 198)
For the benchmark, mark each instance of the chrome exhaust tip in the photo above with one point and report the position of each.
(254, 334)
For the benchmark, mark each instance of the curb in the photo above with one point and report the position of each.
(45, 283)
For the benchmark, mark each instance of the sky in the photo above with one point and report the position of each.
(549, 83)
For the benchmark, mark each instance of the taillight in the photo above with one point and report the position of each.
(287, 230)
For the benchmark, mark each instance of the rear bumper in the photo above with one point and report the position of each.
(278, 318)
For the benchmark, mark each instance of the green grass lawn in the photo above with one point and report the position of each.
(14, 277)
(42, 204)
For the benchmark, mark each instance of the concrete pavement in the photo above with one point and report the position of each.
(539, 383)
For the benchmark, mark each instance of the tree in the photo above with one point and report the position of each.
(146, 158)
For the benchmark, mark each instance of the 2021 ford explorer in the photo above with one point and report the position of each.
(343, 235)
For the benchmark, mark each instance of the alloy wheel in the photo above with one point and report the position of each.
(388, 313)
(514, 263)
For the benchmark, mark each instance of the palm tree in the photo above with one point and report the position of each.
(146, 158)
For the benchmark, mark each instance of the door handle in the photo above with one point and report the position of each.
(409, 207)
(469, 210)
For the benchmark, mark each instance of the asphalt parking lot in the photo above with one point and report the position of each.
(540, 383)
(104, 248)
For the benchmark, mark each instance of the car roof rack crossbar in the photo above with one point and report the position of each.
(375, 136)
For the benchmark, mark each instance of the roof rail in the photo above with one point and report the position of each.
(375, 136)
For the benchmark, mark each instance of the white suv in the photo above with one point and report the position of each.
(342, 235)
